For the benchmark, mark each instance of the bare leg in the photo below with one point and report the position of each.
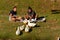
(18, 18)
(13, 19)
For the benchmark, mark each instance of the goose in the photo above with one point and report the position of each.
(27, 28)
(31, 24)
(22, 27)
(33, 20)
(18, 31)
(43, 19)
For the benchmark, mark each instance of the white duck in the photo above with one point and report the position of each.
(31, 24)
(33, 20)
(27, 28)
(18, 31)
(43, 19)
(22, 27)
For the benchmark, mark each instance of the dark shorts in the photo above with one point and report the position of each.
(14, 17)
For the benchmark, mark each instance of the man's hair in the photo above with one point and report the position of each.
(14, 7)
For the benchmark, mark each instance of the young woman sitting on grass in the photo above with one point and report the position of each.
(31, 14)
(13, 15)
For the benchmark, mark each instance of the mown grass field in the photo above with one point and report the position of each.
(48, 30)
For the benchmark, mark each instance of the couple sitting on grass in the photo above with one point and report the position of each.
(13, 15)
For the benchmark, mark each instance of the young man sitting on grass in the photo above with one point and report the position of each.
(31, 14)
(13, 15)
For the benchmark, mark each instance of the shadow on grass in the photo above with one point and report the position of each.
(37, 26)
(30, 30)
(55, 11)
(34, 27)
(21, 33)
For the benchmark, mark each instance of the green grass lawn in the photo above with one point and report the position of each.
(48, 30)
